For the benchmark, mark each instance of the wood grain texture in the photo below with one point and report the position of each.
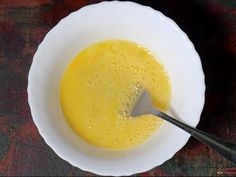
(211, 26)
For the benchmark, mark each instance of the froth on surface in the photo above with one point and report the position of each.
(99, 89)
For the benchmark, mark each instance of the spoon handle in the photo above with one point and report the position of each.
(223, 147)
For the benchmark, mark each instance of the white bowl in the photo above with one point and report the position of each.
(115, 20)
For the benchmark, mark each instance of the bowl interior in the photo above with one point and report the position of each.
(115, 20)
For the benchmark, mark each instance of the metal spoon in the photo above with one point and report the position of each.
(225, 148)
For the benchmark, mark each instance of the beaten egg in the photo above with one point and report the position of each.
(100, 86)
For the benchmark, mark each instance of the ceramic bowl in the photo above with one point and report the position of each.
(115, 20)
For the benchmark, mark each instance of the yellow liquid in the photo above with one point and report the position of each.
(99, 89)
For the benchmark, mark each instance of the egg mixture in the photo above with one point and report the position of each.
(100, 87)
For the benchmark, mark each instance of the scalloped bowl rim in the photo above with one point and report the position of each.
(34, 99)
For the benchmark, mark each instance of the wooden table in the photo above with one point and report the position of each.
(210, 24)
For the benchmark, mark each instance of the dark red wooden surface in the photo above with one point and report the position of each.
(210, 24)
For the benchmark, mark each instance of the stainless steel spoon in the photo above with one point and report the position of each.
(225, 148)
